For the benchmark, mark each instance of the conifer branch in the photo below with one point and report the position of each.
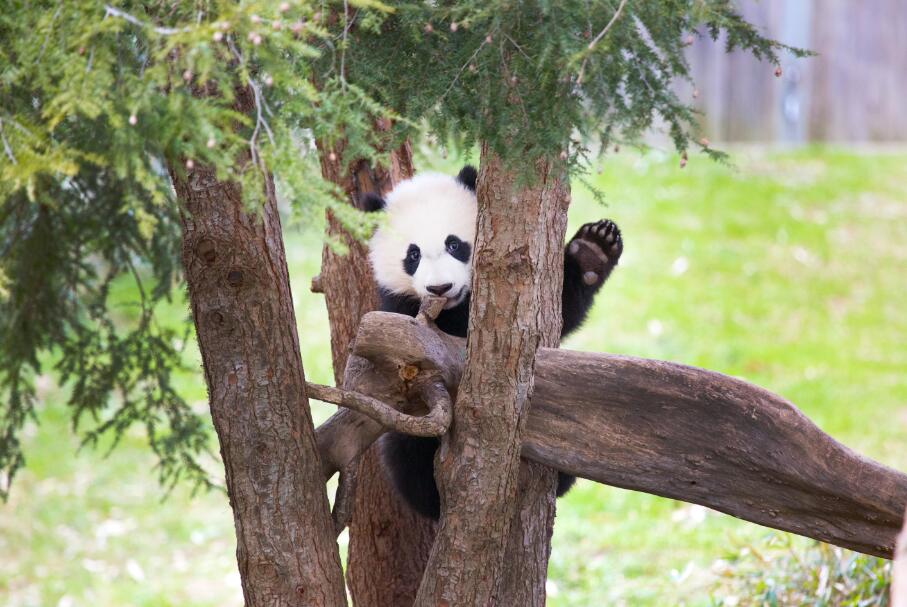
(260, 121)
(163, 31)
(346, 30)
(597, 39)
(463, 68)
(6, 146)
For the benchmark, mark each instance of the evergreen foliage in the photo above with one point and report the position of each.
(542, 79)
(100, 103)
(97, 102)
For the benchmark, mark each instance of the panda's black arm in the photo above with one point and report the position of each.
(454, 321)
(589, 258)
(401, 304)
(577, 297)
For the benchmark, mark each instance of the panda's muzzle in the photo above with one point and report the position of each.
(439, 290)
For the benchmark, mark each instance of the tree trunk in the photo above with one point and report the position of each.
(529, 542)
(389, 543)
(346, 279)
(515, 307)
(243, 311)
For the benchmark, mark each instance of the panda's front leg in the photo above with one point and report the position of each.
(589, 258)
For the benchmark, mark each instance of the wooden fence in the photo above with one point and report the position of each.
(854, 90)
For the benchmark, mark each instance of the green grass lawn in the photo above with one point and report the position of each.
(789, 270)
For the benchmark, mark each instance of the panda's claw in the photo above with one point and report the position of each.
(596, 247)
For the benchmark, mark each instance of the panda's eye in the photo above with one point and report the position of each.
(452, 243)
(413, 254)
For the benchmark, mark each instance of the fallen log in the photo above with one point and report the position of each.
(653, 426)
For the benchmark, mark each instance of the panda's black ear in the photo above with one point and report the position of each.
(468, 176)
(370, 202)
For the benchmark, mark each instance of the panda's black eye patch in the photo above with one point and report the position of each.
(458, 249)
(412, 259)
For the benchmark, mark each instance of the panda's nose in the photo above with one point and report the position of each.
(439, 290)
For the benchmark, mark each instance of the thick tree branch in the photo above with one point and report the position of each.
(710, 439)
(663, 428)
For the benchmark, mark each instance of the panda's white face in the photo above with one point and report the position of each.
(425, 244)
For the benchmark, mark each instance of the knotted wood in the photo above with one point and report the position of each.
(654, 426)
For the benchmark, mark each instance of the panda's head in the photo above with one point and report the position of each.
(425, 244)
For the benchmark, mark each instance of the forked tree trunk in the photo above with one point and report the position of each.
(389, 543)
(515, 308)
(243, 312)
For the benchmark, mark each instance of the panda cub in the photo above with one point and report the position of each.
(425, 246)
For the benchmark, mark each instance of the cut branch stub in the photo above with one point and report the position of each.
(418, 344)
(430, 308)
(654, 426)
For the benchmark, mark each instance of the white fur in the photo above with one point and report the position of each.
(423, 211)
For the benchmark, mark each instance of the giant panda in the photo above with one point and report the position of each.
(423, 247)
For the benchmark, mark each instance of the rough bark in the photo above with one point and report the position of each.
(388, 544)
(520, 234)
(658, 427)
(710, 439)
(529, 541)
(243, 311)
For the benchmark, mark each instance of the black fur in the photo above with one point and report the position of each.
(468, 176)
(589, 259)
(412, 259)
(371, 202)
(458, 249)
(577, 294)
(454, 321)
(411, 463)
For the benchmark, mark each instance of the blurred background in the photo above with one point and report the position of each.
(852, 91)
(787, 268)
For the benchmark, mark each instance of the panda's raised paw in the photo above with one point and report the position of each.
(596, 247)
